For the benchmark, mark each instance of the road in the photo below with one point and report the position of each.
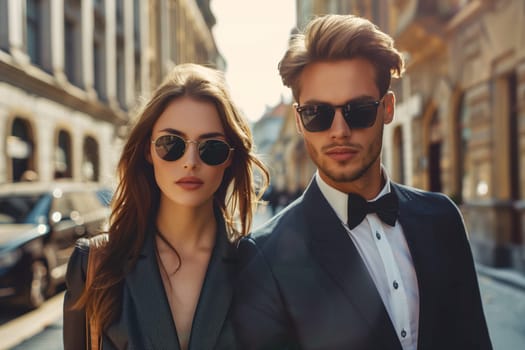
(504, 308)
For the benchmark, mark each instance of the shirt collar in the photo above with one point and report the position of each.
(339, 200)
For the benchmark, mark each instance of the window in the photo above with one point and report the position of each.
(137, 46)
(63, 156)
(99, 55)
(121, 76)
(399, 156)
(90, 164)
(72, 42)
(434, 154)
(34, 31)
(121, 61)
(98, 61)
(20, 149)
(4, 26)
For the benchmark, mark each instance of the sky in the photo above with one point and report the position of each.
(252, 36)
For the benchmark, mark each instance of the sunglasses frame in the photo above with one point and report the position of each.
(197, 143)
(346, 110)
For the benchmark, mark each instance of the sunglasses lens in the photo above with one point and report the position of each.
(170, 147)
(361, 117)
(317, 117)
(214, 152)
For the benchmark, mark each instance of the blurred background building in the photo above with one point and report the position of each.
(459, 126)
(72, 73)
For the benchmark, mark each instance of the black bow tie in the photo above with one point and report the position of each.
(385, 207)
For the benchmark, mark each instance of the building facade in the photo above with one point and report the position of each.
(284, 153)
(72, 73)
(460, 125)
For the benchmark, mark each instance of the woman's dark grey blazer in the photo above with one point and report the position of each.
(146, 321)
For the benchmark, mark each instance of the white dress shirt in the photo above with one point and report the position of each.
(385, 253)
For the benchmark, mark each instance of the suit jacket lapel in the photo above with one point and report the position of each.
(147, 291)
(337, 254)
(216, 293)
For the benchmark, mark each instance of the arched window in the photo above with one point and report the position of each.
(90, 163)
(63, 168)
(514, 161)
(20, 149)
(434, 154)
(462, 140)
(399, 158)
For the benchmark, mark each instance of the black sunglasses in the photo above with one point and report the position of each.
(319, 117)
(172, 147)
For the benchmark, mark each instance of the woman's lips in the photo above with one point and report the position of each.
(190, 183)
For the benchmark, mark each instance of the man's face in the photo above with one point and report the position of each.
(348, 158)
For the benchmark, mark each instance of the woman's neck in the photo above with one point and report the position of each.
(187, 227)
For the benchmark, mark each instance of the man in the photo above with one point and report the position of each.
(357, 262)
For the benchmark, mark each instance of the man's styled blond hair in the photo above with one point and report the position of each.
(339, 37)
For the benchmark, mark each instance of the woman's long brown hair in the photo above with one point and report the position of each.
(137, 196)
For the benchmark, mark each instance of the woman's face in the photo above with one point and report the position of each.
(187, 181)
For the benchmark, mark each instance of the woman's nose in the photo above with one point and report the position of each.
(191, 155)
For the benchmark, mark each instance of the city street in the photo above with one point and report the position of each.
(504, 306)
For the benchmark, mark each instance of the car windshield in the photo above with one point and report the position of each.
(23, 209)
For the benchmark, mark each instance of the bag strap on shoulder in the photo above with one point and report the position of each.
(98, 241)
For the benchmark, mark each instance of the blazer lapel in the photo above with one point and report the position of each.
(337, 254)
(145, 286)
(216, 293)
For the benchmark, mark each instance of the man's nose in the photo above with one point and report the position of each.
(339, 125)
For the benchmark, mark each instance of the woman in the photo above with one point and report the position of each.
(162, 277)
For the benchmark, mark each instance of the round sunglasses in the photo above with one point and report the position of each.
(172, 147)
(319, 117)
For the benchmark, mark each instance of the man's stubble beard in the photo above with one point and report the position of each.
(346, 177)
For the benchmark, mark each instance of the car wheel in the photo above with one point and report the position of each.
(39, 284)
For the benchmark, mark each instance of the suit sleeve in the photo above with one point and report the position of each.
(471, 332)
(259, 315)
(74, 334)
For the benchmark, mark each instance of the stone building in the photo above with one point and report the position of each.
(72, 73)
(459, 126)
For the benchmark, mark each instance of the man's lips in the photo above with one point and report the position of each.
(341, 153)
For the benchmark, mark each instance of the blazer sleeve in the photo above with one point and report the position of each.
(74, 334)
(469, 324)
(259, 316)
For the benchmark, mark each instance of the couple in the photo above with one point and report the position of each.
(357, 262)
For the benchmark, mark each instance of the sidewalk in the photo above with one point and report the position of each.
(33, 323)
(507, 276)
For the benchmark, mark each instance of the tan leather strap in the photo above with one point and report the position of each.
(93, 340)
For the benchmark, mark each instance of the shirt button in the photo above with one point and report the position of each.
(395, 284)
(403, 333)
(378, 235)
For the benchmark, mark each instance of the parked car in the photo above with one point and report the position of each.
(39, 225)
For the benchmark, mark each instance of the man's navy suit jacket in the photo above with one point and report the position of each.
(305, 286)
